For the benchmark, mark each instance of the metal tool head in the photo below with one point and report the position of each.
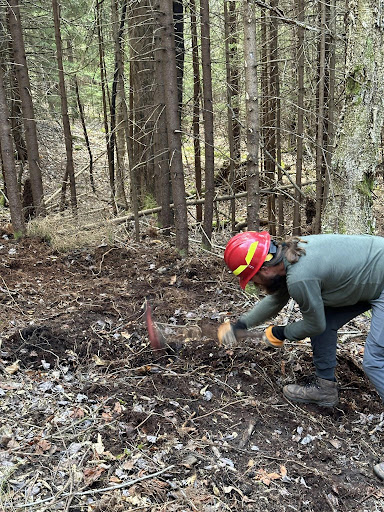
(156, 338)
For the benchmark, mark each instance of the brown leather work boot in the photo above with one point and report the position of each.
(314, 390)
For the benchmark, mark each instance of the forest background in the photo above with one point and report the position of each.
(213, 114)
(136, 137)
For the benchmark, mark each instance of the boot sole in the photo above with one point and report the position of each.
(303, 401)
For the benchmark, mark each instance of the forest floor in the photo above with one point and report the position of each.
(93, 420)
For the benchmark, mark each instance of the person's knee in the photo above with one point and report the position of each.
(373, 361)
(369, 366)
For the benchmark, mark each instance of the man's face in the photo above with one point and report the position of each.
(269, 280)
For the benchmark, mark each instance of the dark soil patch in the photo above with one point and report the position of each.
(217, 415)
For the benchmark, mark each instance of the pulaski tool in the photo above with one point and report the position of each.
(156, 337)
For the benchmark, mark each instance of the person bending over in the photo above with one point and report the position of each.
(333, 278)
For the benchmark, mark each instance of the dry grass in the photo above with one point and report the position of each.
(65, 232)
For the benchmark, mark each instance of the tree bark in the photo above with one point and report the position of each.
(320, 137)
(26, 105)
(331, 77)
(268, 133)
(296, 228)
(196, 108)
(142, 77)
(104, 95)
(275, 115)
(208, 123)
(9, 168)
(178, 19)
(118, 97)
(173, 122)
(252, 116)
(357, 144)
(161, 158)
(16, 111)
(70, 171)
(233, 97)
(87, 142)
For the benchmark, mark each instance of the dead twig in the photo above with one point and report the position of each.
(247, 433)
(10, 294)
(128, 483)
(327, 499)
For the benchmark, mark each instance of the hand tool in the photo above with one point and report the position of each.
(156, 337)
(240, 333)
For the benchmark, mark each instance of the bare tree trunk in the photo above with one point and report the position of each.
(231, 144)
(174, 132)
(320, 121)
(132, 170)
(269, 143)
(231, 52)
(70, 171)
(296, 229)
(26, 105)
(275, 110)
(252, 116)
(234, 74)
(9, 168)
(331, 52)
(208, 123)
(104, 95)
(196, 108)
(118, 96)
(87, 142)
(161, 157)
(178, 19)
(142, 77)
(16, 111)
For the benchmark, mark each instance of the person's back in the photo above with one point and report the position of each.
(347, 268)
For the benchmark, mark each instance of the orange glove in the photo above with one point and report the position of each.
(274, 336)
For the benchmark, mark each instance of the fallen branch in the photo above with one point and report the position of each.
(192, 202)
(96, 491)
(280, 14)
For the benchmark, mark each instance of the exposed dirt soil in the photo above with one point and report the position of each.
(87, 407)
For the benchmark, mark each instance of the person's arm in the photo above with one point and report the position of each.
(307, 294)
(267, 308)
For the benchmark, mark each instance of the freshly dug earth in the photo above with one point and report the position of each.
(93, 420)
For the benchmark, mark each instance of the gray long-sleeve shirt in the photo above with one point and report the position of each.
(337, 270)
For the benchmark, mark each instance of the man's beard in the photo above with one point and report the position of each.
(274, 284)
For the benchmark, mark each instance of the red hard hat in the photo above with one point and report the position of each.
(245, 253)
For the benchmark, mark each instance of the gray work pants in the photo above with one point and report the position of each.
(373, 361)
(324, 345)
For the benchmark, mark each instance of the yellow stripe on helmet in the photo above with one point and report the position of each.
(251, 252)
(248, 258)
(239, 270)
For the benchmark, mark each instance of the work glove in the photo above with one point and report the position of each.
(226, 333)
(274, 336)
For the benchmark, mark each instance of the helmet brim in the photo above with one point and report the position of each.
(245, 280)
